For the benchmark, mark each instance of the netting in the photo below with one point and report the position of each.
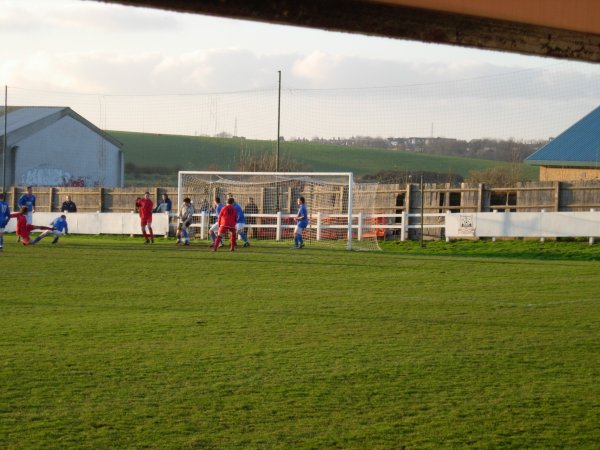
(340, 212)
(423, 112)
(526, 104)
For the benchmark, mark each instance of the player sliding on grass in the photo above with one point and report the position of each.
(24, 229)
(58, 226)
(227, 220)
(301, 223)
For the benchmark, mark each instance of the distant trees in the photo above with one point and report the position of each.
(261, 161)
(492, 149)
(501, 176)
(502, 150)
(135, 170)
(405, 177)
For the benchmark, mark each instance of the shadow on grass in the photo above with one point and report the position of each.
(521, 250)
(572, 250)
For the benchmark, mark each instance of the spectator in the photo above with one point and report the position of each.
(204, 206)
(250, 210)
(165, 204)
(68, 205)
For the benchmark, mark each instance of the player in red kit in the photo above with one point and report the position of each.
(145, 208)
(24, 229)
(227, 221)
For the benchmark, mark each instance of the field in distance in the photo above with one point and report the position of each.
(109, 343)
(171, 152)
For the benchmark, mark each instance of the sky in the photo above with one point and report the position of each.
(333, 84)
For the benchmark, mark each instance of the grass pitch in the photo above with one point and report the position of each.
(108, 343)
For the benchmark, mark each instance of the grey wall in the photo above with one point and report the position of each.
(65, 151)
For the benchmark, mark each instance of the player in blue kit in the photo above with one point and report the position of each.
(4, 218)
(28, 199)
(241, 224)
(59, 225)
(215, 227)
(301, 223)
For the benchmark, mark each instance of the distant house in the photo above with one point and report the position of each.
(574, 155)
(55, 146)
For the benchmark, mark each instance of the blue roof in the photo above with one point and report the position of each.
(578, 146)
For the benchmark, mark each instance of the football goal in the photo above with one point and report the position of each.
(340, 211)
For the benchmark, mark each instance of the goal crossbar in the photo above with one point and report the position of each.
(280, 176)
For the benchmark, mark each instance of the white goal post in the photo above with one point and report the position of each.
(336, 213)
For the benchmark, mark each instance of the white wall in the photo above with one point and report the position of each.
(523, 224)
(67, 149)
(101, 223)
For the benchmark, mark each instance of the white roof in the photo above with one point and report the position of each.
(22, 117)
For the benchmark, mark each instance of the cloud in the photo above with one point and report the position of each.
(317, 68)
(235, 69)
(321, 71)
(19, 18)
(145, 73)
(326, 95)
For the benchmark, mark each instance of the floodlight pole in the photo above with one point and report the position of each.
(278, 137)
(4, 142)
(278, 122)
(422, 211)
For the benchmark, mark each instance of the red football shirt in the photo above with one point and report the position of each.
(23, 228)
(145, 206)
(228, 217)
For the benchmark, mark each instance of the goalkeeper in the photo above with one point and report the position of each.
(58, 227)
(186, 214)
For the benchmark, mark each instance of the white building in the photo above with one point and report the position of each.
(55, 146)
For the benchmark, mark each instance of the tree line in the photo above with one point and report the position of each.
(511, 150)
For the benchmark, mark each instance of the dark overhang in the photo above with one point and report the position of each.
(553, 28)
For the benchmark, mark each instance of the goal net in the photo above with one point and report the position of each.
(340, 212)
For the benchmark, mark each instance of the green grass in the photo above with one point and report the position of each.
(566, 249)
(107, 343)
(206, 153)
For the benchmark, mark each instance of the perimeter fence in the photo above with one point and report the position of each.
(391, 200)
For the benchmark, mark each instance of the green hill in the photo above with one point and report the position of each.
(157, 157)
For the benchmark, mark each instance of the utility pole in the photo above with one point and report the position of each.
(4, 149)
(278, 122)
(422, 211)
(278, 138)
